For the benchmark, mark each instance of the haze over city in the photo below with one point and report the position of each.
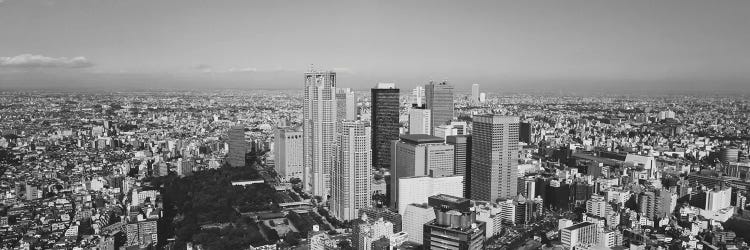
(669, 45)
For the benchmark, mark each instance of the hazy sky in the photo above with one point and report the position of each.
(682, 44)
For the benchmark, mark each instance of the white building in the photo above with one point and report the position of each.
(288, 154)
(416, 190)
(352, 177)
(414, 218)
(419, 121)
(319, 130)
(718, 198)
(581, 234)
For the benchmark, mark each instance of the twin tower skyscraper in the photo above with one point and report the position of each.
(339, 150)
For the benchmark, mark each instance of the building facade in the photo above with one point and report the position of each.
(319, 122)
(288, 149)
(439, 99)
(352, 177)
(385, 125)
(494, 157)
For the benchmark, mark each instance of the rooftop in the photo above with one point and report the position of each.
(579, 225)
(420, 138)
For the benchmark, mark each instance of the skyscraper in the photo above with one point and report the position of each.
(440, 101)
(288, 153)
(346, 105)
(475, 93)
(319, 119)
(417, 96)
(385, 125)
(419, 121)
(525, 132)
(461, 155)
(350, 188)
(237, 146)
(419, 155)
(494, 157)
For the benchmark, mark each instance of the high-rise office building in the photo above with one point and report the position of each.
(494, 157)
(385, 124)
(319, 123)
(417, 96)
(346, 105)
(525, 132)
(288, 144)
(419, 121)
(455, 225)
(237, 146)
(440, 101)
(475, 93)
(461, 159)
(351, 179)
(419, 155)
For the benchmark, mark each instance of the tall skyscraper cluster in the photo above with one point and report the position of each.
(440, 157)
(340, 152)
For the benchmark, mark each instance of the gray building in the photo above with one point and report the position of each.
(462, 159)
(419, 155)
(494, 157)
(319, 133)
(385, 124)
(237, 146)
(440, 102)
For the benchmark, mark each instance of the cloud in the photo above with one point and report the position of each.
(239, 70)
(38, 61)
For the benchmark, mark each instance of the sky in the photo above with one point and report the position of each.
(524, 44)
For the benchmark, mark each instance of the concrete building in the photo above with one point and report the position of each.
(718, 198)
(416, 190)
(415, 216)
(598, 206)
(419, 121)
(319, 122)
(351, 180)
(494, 157)
(440, 101)
(475, 93)
(455, 225)
(346, 105)
(452, 128)
(288, 153)
(385, 107)
(366, 232)
(581, 234)
(461, 159)
(419, 155)
(237, 146)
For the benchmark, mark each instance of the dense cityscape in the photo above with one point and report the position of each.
(323, 166)
(374, 125)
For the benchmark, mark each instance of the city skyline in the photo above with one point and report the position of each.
(355, 125)
(502, 45)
